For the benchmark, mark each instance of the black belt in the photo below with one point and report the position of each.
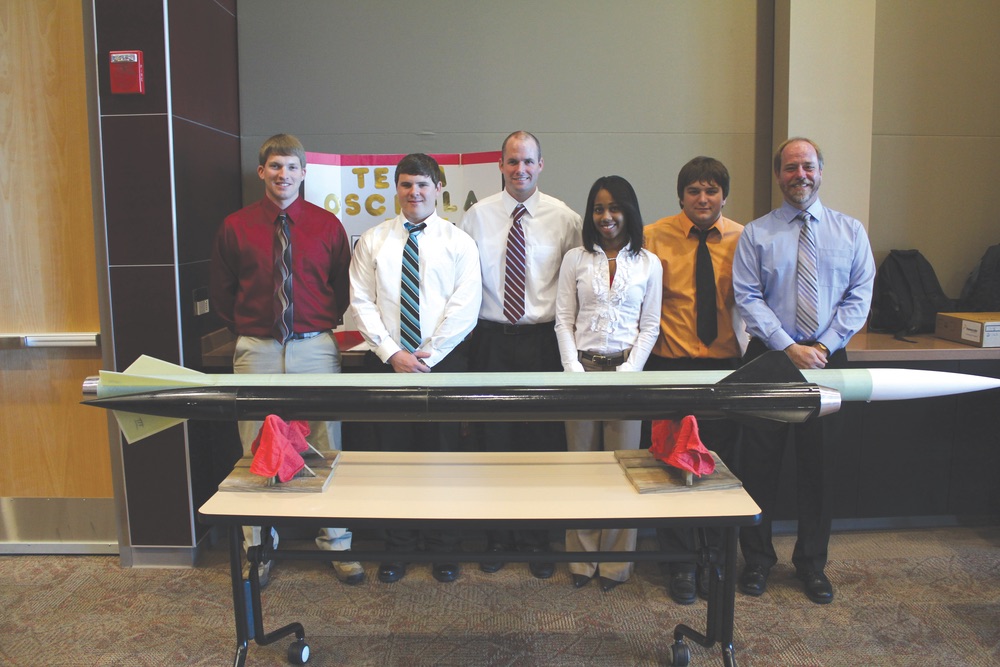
(604, 359)
(304, 336)
(515, 329)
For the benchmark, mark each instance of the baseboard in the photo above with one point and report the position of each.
(58, 526)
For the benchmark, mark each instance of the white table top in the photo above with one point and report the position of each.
(480, 486)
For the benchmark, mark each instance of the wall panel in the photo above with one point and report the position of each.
(936, 132)
(50, 446)
(635, 87)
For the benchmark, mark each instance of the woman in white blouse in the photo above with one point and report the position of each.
(607, 319)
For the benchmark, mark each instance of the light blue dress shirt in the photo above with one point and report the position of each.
(764, 274)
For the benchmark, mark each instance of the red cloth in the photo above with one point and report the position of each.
(277, 449)
(677, 443)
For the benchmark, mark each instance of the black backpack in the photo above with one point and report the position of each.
(907, 295)
(981, 293)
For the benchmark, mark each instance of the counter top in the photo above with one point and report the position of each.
(928, 347)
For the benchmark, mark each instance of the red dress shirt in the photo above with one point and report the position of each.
(241, 279)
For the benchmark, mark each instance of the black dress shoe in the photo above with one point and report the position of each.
(609, 584)
(753, 581)
(580, 580)
(445, 572)
(682, 588)
(493, 566)
(818, 587)
(390, 572)
(541, 570)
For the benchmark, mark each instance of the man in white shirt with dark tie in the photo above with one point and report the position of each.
(516, 332)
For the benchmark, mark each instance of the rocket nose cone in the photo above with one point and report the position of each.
(890, 384)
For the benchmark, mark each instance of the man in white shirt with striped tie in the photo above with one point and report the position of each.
(522, 236)
(802, 278)
(415, 295)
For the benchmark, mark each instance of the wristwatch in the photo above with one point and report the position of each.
(822, 348)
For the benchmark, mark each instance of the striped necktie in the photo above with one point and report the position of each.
(513, 291)
(283, 305)
(807, 290)
(409, 290)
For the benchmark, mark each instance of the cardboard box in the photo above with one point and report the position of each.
(978, 329)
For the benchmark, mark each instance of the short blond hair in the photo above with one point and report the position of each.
(282, 144)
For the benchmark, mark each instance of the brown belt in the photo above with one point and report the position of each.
(604, 359)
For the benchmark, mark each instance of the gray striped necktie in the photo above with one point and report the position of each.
(409, 290)
(807, 286)
(283, 305)
(513, 290)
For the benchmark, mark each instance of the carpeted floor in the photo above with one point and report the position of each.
(919, 597)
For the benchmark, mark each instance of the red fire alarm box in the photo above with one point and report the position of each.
(126, 73)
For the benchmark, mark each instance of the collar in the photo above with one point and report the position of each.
(689, 227)
(271, 210)
(428, 222)
(788, 213)
(531, 203)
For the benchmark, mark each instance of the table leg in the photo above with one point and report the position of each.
(720, 618)
(239, 594)
(728, 610)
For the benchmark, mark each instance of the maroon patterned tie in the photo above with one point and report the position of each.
(282, 280)
(513, 291)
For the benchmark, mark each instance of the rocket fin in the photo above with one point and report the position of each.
(146, 365)
(770, 367)
(146, 373)
(135, 427)
(142, 375)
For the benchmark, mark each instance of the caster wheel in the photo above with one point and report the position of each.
(680, 655)
(298, 653)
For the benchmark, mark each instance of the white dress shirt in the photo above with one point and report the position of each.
(598, 316)
(450, 288)
(550, 230)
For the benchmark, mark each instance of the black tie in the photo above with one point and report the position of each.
(704, 278)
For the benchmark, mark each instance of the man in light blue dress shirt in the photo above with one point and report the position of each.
(767, 291)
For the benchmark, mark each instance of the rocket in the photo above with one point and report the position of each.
(152, 395)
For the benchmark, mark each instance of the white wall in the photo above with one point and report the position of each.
(936, 135)
(638, 87)
(635, 87)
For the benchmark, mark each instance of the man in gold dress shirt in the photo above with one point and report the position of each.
(683, 345)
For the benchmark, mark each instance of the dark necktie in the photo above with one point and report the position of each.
(513, 290)
(704, 280)
(806, 283)
(409, 290)
(283, 316)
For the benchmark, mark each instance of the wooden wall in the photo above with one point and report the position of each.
(51, 446)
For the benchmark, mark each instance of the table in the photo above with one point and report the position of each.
(475, 491)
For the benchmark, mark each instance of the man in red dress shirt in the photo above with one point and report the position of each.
(278, 331)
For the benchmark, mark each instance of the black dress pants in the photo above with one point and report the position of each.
(722, 436)
(501, 348)
(814, 443)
